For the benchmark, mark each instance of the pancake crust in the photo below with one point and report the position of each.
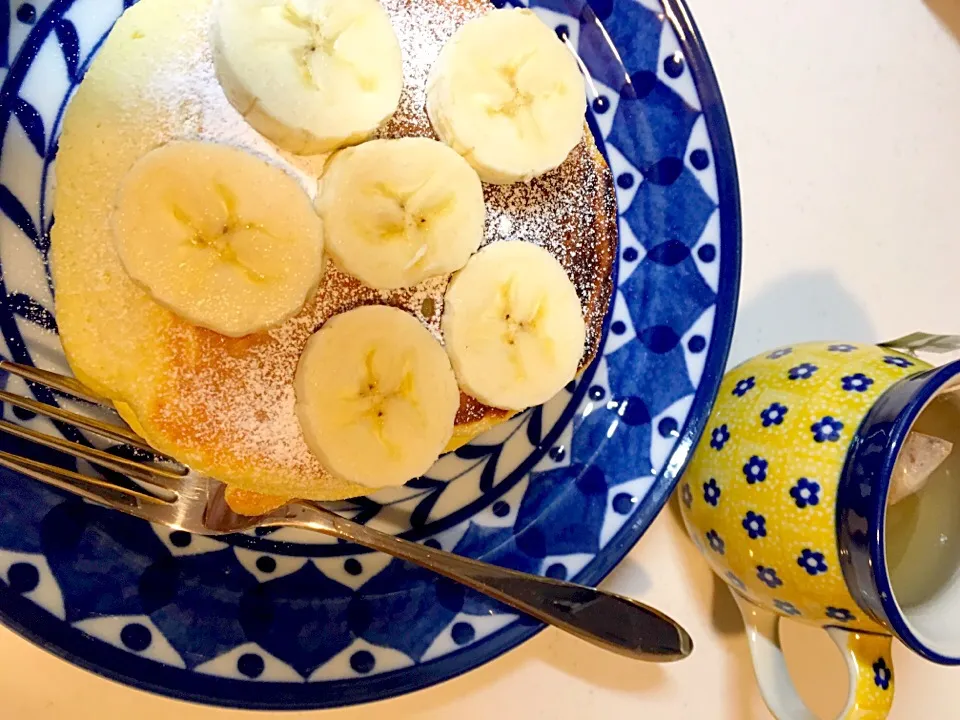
(223, 405)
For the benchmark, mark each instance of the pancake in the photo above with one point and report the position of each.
(225, 406)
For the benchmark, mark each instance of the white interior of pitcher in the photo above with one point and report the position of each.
(922, 524)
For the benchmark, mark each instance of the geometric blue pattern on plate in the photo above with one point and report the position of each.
(288, 620)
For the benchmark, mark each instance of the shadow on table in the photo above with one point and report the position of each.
(799, 308)
(948, 12)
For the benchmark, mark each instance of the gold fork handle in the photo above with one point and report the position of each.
(610, 621)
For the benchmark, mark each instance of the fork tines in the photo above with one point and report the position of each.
(158, 476)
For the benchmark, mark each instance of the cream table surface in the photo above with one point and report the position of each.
(846, 122)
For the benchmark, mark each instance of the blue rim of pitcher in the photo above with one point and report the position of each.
(863, 555)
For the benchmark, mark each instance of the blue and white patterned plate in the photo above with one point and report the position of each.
(285, 620)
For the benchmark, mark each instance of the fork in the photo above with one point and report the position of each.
(168, 493)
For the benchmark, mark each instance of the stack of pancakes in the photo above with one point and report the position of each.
(225, 406)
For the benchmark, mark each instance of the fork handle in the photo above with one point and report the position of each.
(610, 621)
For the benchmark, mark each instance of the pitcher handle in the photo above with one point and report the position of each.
(869, 666)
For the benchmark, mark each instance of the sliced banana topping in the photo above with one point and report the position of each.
(513, 326)
(222, 238)
(397, 212)
(507, 95)
(376, 396)
(311, 75)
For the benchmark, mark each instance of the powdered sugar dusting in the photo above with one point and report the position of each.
(568, 211)
(236, 400)
(422, 28)
(188, 94)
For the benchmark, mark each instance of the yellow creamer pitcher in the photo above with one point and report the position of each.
(787, 498)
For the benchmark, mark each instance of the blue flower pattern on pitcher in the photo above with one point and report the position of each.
(686, 494)
(716, 542)
(738, 583)
(768, 576)
(840, 614)
(755, 525)
(802, 371)
(858, 382)
(744, 386)
(826, 430)
(897, 361)
(805, 492)
(786, 607)
(882, 675)
(822, 390)
(812, 561)
(711, 492)
(755, 470)
(773, 415)
(719, 437)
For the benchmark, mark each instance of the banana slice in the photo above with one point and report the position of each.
(513, 326)
(376, 396)
(507, 95)
(220, 237)
(310, 75)
(397, 212)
